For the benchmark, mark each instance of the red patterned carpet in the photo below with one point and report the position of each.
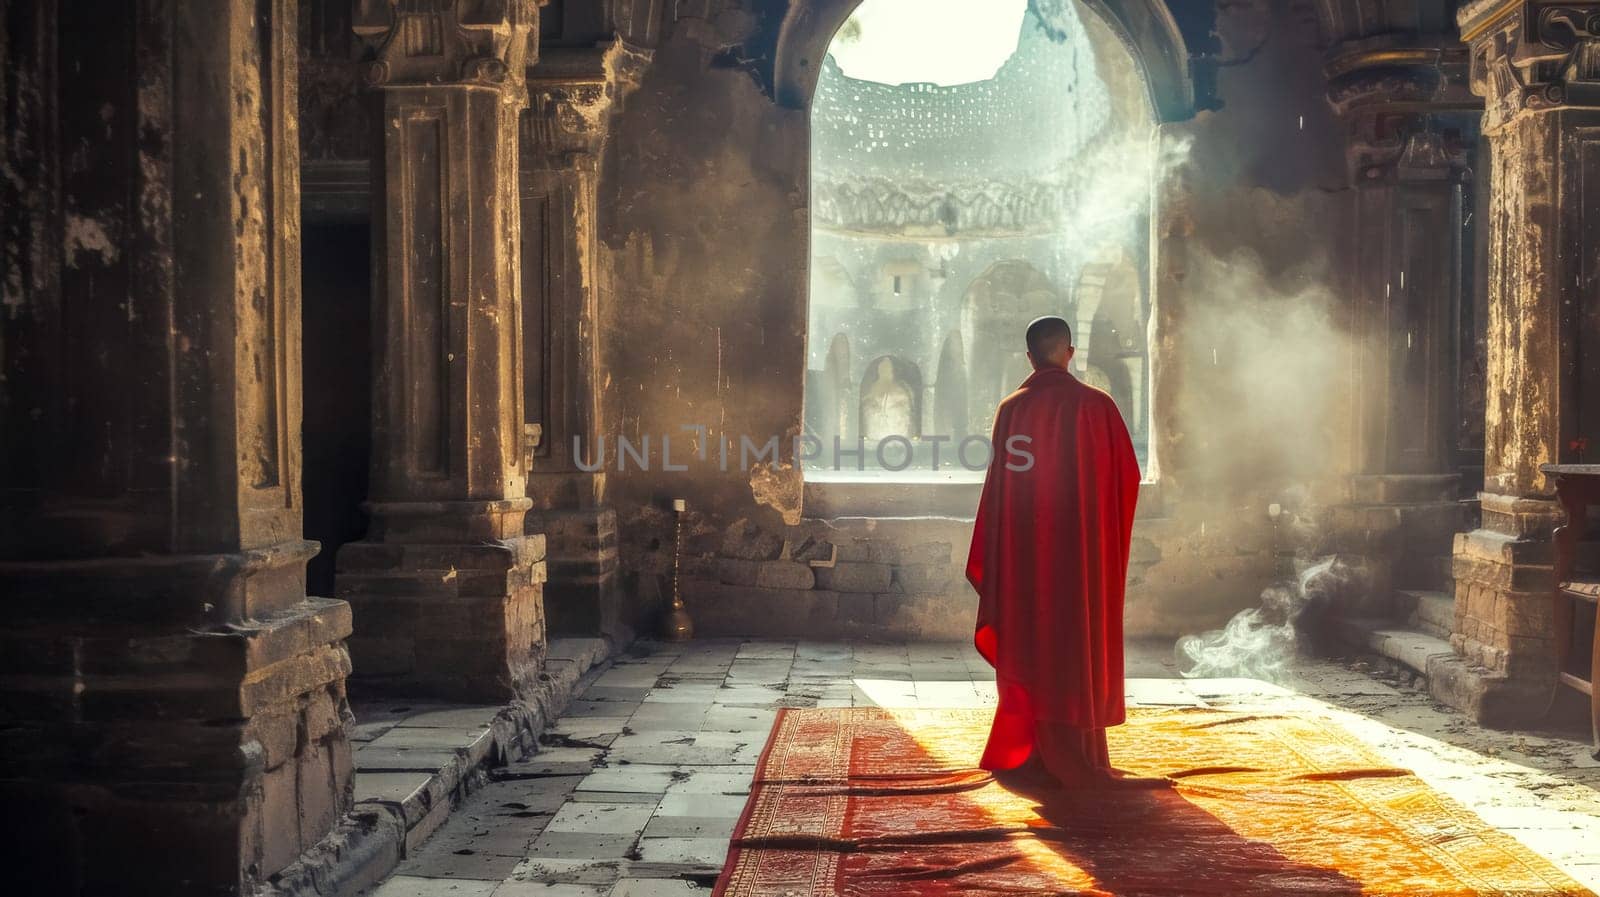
(868, 802)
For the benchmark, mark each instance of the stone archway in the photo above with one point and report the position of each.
(996, 308)
(1145, 27)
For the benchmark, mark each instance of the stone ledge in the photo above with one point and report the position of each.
(1412, 648)
(395, 814)
(1430, 612)
(1491, 700)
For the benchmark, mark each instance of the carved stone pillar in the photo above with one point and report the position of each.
(563, 132)
(446, 588)
(1413, 130)
(174, 713)
(1537, 65)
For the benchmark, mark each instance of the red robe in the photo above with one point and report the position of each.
(1049, 559)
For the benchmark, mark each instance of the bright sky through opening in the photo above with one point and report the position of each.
(902, 41)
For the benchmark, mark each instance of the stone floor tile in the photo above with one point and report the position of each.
(462, 716)
(417, 886)
(879, 652)
(394, 787)
(627, 677)
(738, 719)
(720, 827)
(633, 780)
(368, 730)
(590, 727)
(672, 748)
(429, 738)
(708, 805)
(685, 851)
(658, 716)
(460, 864)
(556, 761)
(634, 738)
(602, 819)
(533, 795)
(766, 649)
(684, 693)
(585, 708)
(558, 870)
(515, 888)
(582, 846)
(748, 696)
(616, 797)
(657, 887)
(627, 695)
(371, 758)
(824, 650)
(715, 780)
(946, 694)
(738, 742)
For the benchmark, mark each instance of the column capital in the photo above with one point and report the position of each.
(421, 43)
(1383, 74)
(570, 92)
(1532, 55)
(1405, 104)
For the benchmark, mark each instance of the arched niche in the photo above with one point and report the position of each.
(834, 402)
(1146, 27)
(995, 312)
(950, 397)
(1111, 332)
(891, 400)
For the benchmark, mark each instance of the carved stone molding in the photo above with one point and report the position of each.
(565, 118)
(570, 93)
(426, 42)
(1533, 55)
(1398, 102)
(1369, 76)
(1389, 149)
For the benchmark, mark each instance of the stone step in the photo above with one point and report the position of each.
(1409, 647)
(1429, 611)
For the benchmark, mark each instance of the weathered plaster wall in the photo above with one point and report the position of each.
(704, 232)
(1252, 384)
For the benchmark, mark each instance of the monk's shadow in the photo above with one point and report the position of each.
(1153, 841)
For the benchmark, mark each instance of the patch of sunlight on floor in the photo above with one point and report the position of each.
(1505, 794)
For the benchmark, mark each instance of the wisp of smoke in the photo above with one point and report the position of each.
(1261, 642)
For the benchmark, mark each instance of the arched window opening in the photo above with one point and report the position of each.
(962, 185)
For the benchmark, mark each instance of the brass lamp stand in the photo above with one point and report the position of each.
(675, 623)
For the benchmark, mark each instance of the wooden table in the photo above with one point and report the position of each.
(1577, 487)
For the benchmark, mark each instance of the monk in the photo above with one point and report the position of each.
(1050, 561)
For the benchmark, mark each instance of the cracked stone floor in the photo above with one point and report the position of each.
(637, 789)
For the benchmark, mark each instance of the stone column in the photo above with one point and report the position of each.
(446, 587)
(1537, 65)
(571, 92)
(1412, 132)
(1173, 255)
(175, 719)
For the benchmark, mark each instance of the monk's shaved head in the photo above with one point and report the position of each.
(1049, 340)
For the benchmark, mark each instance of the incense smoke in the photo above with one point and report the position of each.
(1261, 643)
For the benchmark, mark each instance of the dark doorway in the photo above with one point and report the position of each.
(337, 321)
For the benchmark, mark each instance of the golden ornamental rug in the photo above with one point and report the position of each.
(870, 802)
